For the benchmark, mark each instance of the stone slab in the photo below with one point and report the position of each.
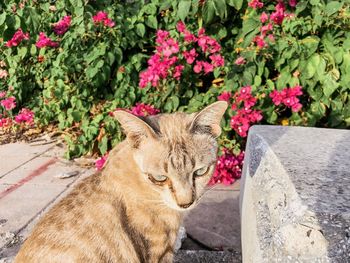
(49, 176)
(16, 154)
(295, 195)
(29, 186)
(215, 222)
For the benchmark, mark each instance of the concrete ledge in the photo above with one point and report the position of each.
(295, 195)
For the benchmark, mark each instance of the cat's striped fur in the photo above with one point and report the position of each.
(131, 211)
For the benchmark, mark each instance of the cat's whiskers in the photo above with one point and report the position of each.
(207, 190)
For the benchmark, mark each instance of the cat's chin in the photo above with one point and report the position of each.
(180, 209)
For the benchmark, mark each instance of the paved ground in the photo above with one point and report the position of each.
(31, 182)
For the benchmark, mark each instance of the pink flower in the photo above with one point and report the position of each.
(245, 91)
(45, 41)
(271, 37)
(207, 67)
(225, 96)
(240, 61)
(141, 109)
(228, 168)
(62, 26)
(276, 97)
(25, 115)
(201, 31)
(9, 103)
(288, 97)
(102, 17)
(292, 3)
(259, 40)
(190, 56)
(208, 44)
(296, 107)
(265, 29)
(255, 4)
(2, 94)
(177, 72)
(5, 122)
(198, 67)
(158, 68)
(264, 17)
(217, 60)
(245, 116)
(168, 47)
(100, 162)
(3, 74)
(278, 16)
(180, 26)
(162, 35)
(17, 38)
(189, 37)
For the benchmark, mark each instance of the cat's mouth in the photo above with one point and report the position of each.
(182, 207)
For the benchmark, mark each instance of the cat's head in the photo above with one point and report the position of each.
(176, 153)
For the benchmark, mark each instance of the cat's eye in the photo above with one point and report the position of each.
(157, 179)
(201, 171)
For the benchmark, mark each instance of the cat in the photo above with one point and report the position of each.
(131, 211)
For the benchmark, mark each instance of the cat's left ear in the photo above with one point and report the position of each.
(208, 119)
(135, 128)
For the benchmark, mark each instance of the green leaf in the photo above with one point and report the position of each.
(119, 55)
(249, 25)
(76, 116)
(311, 44)
(235, 3)
(91, 72)
(220, 8)
(110, 58)
(2, 18)
(22, 52)
(257, 80)
(140, 29)
(183, 9)
(333, 7)
(311, 66)
(152, 22)
(175, 101)
(329, 85)
(103, 145)
(318, 108)
(33, 50)
(150, 9)
(208, 11)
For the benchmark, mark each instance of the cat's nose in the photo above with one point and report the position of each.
(186, 205)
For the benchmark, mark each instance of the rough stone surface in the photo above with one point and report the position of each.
(295, 195)
(203, 256)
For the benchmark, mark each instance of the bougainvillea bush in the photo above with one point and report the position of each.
(71, 63)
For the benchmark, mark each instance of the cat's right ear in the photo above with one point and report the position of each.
(135, 129)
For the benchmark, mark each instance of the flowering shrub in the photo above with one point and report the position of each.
(228, 168)
(71, 63)
(62, 26)
(17, 38)
(199, 53)
(25, 116)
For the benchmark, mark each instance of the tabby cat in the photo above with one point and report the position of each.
(132, 210)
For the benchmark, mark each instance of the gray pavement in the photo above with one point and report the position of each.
(30, 184)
